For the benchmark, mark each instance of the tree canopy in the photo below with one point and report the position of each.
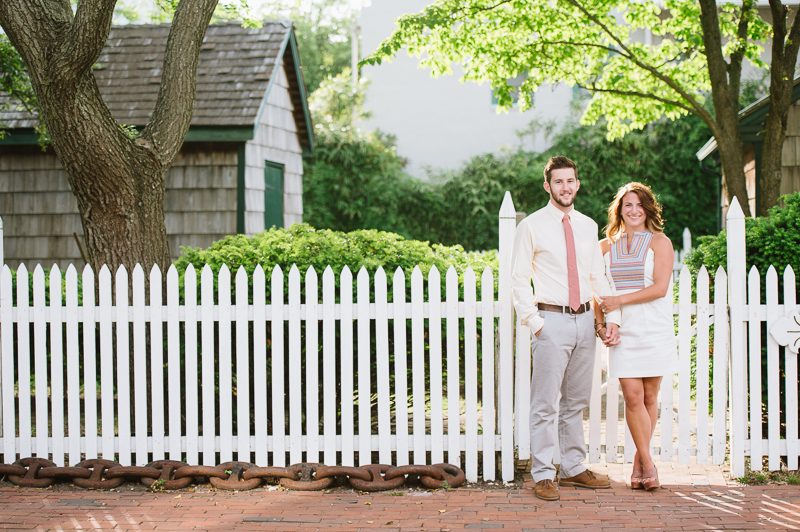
(641, 60)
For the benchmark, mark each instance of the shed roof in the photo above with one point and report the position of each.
(235, 68)
(751, 122)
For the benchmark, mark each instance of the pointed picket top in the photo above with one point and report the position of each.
(685, 276)
(772, 274)
(788, 274)
(38, 270)
(735, 210)
(55, 269)
(488, 276)
(452, 275)
(507, 209)
(399, 276)
(434, 271)
(294, 270)
(362, 272)
(703, 271)
(105, 271)
(138, 270)
(242, 287)
(311, 270)
(753, 271)
(326, 270)
(172, 275)
(380, 276)
(72, 273)
(687, 238)
(224, 268)
(469, 275)
(720, 272)
(121, 269)
(328, 277)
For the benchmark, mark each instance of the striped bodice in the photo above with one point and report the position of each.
(627, 268)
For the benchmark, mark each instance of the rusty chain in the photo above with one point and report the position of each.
(172, 474)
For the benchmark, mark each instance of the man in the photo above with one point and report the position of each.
(557, 247)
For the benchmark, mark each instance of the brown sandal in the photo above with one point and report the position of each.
(650, 482)
(636, 477)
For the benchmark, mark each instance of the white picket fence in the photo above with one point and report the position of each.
(211, 412)
(210, 390)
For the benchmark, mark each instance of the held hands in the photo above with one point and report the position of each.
(609, 334)
(609, 303)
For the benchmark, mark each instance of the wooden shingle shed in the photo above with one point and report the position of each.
(240, 168)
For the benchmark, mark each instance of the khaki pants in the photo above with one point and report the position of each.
(563, 360)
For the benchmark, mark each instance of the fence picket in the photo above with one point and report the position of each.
(191, 364)
(7, 360)
(73, 366)
(382, 362)
(507, 227)
(684, 364)
(139, 369)
(346, 348)
(243, 367)
(260, 356)
(225, 362)
(471, 375)
(106, 364)
(790, 303)
(720, 365)
(89, 363)
(278, 370)
(595, 403)
(773, 377)
(56, 366)
(329, 365)
(435, 354)
(24, 363)
(612, 419)
(754, 356)
(157, 361)
(701, 374)
(207, 357)
(312, 367)
(174, 405)
(488, 370)
(453, 370)
(37, 317)
(295, 376)
(123, 371)
(667, 418)
(364, 359)
(400, 366)
(418, 365)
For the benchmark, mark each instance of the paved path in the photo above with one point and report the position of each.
(696, 498)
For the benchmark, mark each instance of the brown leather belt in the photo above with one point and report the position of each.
(586, 307)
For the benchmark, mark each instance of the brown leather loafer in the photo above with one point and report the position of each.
(587, 479)
(545, 489)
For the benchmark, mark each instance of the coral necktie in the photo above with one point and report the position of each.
(572, 267)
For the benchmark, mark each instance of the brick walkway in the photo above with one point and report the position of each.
(696, 498)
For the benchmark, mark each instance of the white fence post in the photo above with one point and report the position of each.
(738, 343)
(508, 217)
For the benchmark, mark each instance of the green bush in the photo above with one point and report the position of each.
(773, 240)
(304, 246)
(356, 182)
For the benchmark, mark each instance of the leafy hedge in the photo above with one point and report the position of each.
(304, 246)
(773, 240)
(357, 182)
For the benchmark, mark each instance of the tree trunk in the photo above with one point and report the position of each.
(725, 87)
(784, 58)
(118, 181)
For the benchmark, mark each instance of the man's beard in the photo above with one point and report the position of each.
(558, 200)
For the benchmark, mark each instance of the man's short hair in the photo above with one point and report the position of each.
(556, 163)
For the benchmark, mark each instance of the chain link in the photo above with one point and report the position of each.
(172, 474)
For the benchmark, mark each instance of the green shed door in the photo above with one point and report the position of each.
(273, 195)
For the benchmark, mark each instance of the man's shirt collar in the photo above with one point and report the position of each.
(557, 213)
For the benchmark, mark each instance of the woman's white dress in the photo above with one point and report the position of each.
(647, 332)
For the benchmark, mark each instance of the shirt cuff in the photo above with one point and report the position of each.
(534, 322)
(615, 317)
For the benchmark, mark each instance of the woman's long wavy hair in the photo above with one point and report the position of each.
(651, 206)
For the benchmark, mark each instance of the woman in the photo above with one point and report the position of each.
(638, 259)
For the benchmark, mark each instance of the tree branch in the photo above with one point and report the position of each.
(610, 49)
(167, 128)
(671, 83)
(735, 66)
(89, 33)
(645, 95)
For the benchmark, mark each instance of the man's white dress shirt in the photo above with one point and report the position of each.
(540, 253)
